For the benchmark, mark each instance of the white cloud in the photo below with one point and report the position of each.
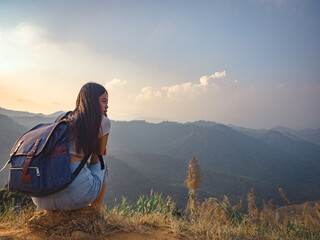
(32, 61)
(211, 98)
(183, 88)
(204, 79)
(219, 74)
(28, 50)
(18, 46)
(115, 83)
(148, 93)
(186, 90)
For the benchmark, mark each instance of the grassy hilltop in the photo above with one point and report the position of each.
(144, 156)
(157, 217)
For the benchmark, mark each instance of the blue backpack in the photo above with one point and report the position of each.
(40, 160)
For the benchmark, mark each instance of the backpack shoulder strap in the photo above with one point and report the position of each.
(78, 169)
(101, 161)
(5, 165)
(12, 154)
(83, 162)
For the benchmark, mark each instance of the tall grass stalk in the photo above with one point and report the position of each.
(193, 182)
(252, 206)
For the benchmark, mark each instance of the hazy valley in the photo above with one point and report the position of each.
(144, 156)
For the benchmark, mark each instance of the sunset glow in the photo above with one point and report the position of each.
(248, 63)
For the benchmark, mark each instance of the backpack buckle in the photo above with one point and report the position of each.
(30, 154)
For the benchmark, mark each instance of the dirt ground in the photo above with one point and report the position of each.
(24, 234)
(82, 224)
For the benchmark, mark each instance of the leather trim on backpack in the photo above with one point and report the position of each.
(26, 178)
(59, 149)
(58, 154)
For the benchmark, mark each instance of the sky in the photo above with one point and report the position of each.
(250, 63)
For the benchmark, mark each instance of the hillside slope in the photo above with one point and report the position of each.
(144, 156)
(9, 133)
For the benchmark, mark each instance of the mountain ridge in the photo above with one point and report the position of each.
(232, 159)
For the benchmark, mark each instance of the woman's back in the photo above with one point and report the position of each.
(90, 131)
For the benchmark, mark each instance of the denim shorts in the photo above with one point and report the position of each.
(80, 193)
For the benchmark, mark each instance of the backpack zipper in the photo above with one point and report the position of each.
(20, 168)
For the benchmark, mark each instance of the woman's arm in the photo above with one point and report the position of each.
(94, 159)
(103, 149)
(103, 146)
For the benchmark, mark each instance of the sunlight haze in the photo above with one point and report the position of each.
(250, 63)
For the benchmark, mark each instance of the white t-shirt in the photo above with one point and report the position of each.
(105, 126)
(104, 129)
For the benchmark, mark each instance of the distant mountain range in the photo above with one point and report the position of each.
(311, 135)
(29, 119)
(10, 131)
(144, 156)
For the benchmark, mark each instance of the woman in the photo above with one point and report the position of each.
(90, 131)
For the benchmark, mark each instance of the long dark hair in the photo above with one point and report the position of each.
(86, 119)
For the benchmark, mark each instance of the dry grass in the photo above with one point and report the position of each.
(14, 217)
(194, 176)
(284, 196)
(62, 224)
(193, 182)
(210, 219)
(213, 219)
(252, 207)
